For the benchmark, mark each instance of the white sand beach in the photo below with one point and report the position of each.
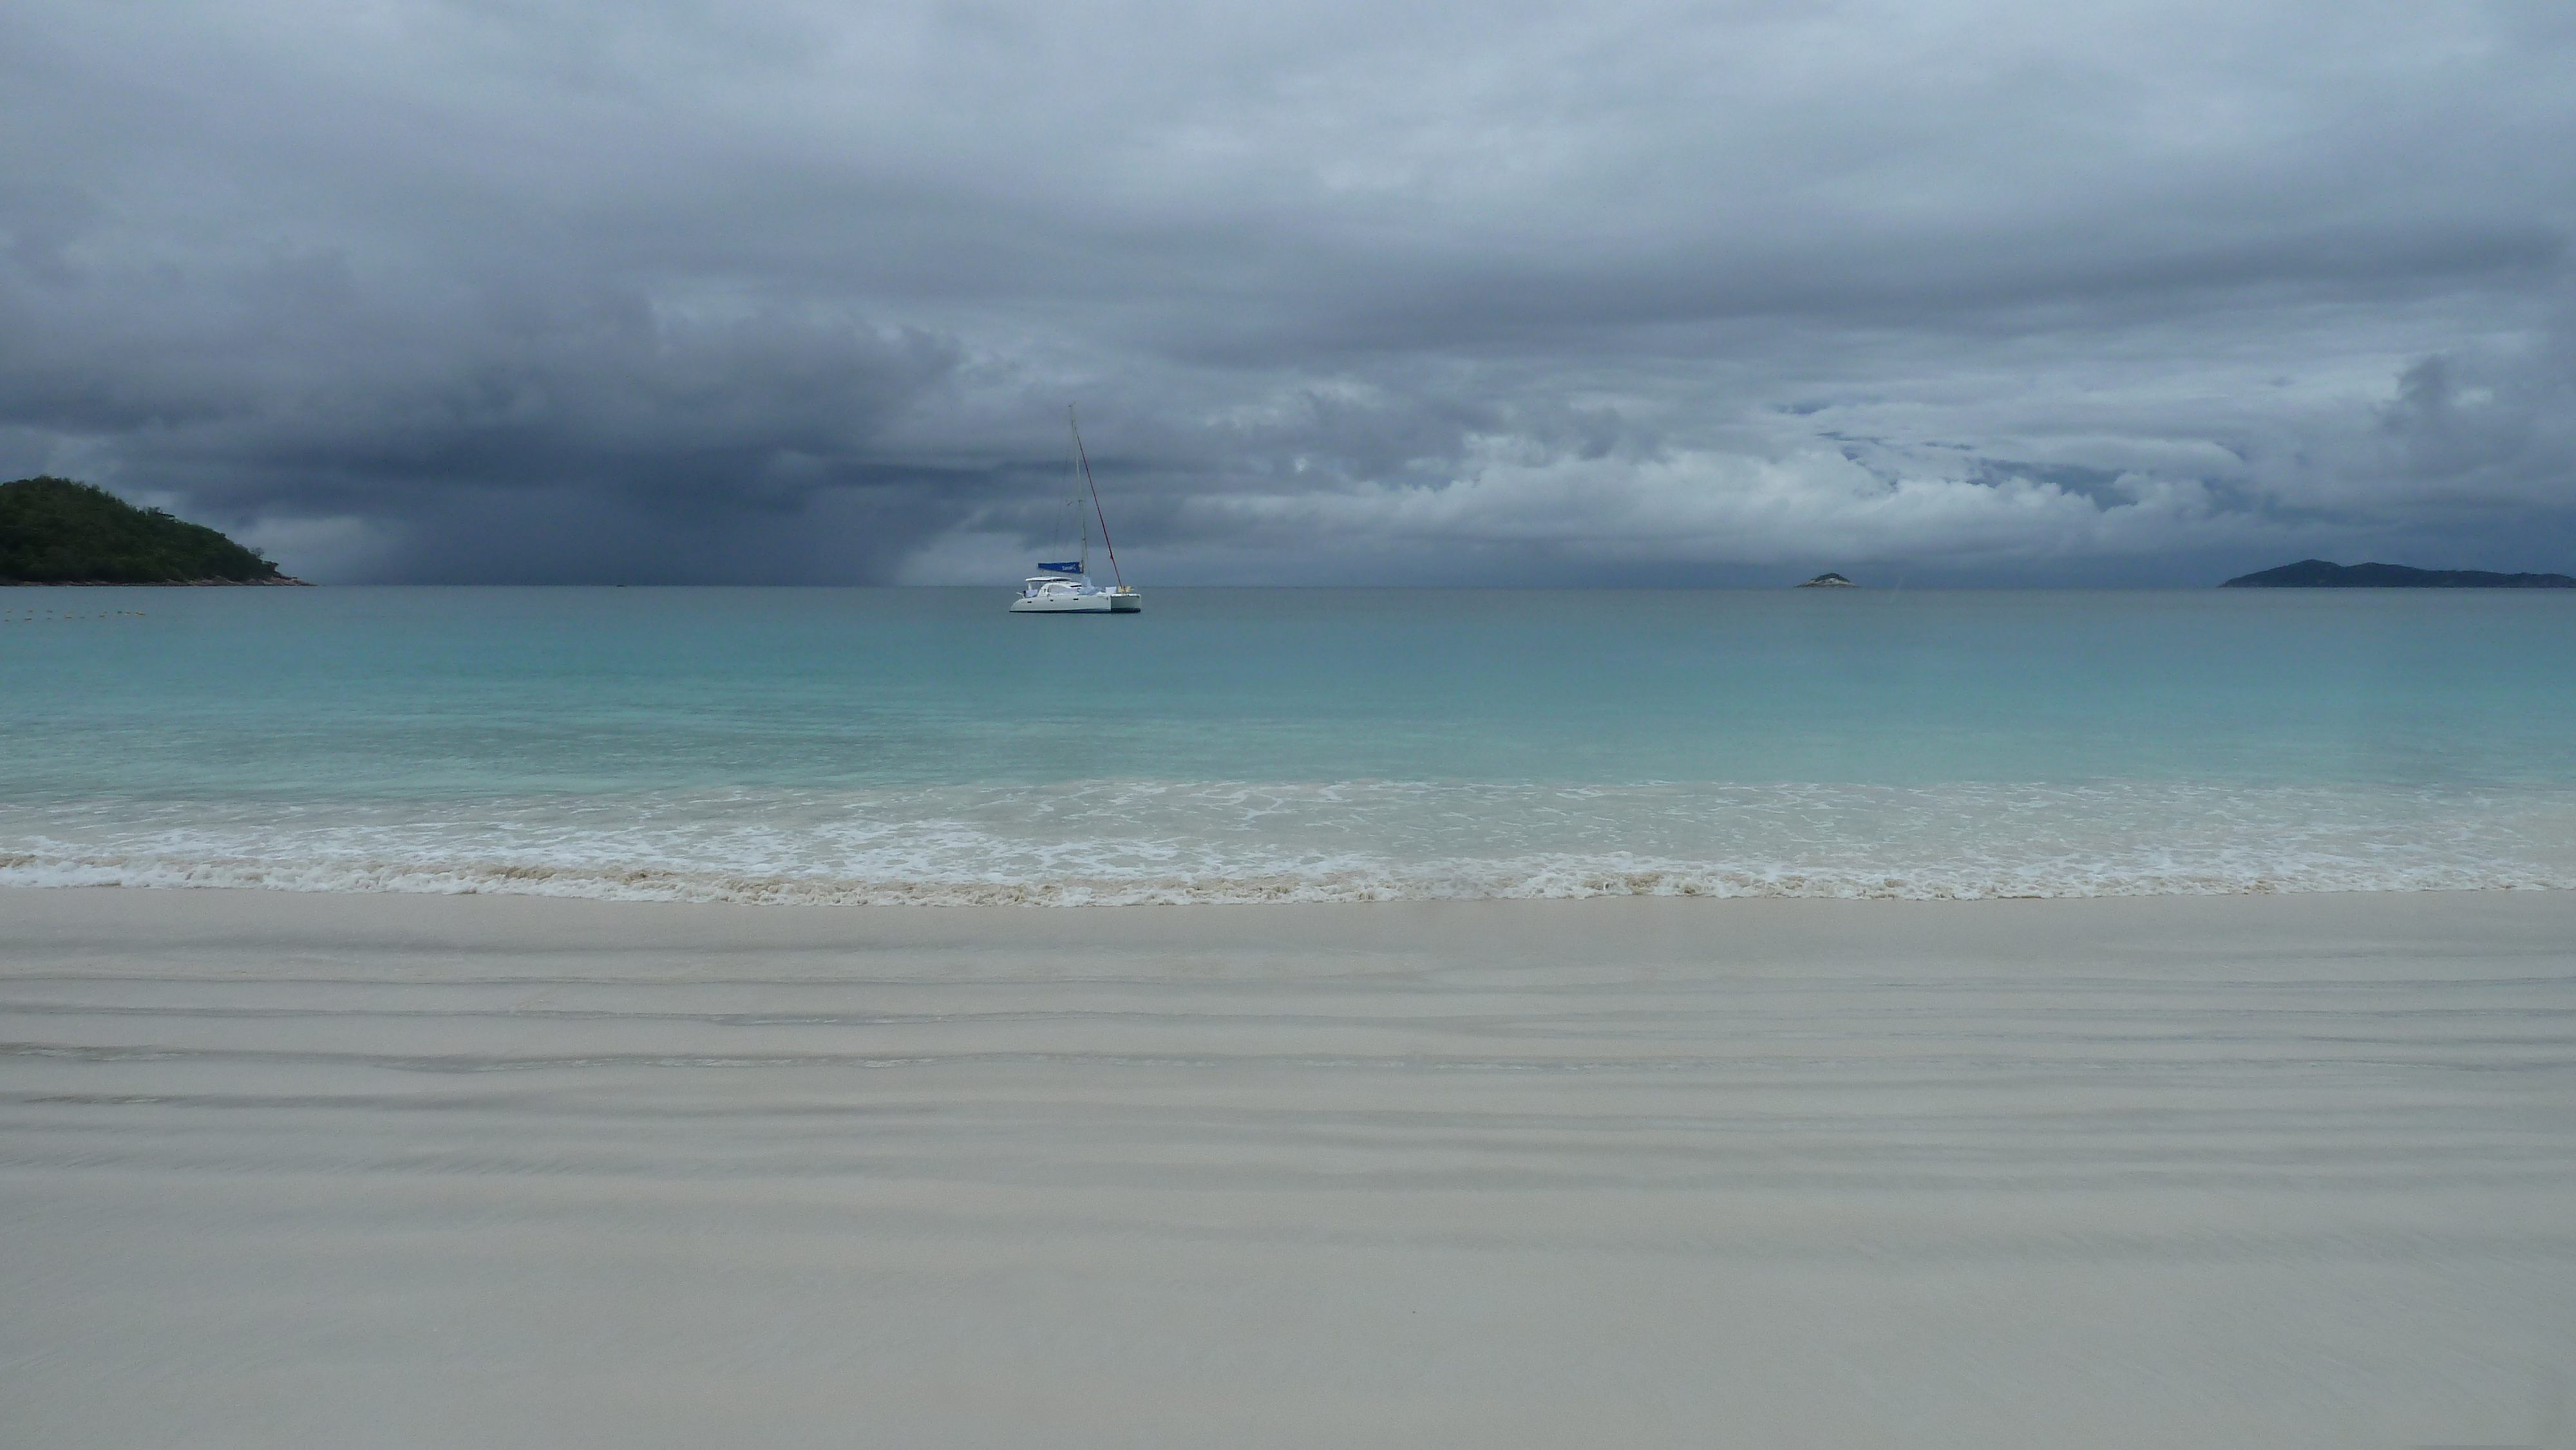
(289, 1171)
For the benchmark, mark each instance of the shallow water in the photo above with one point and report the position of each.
(1239, 745)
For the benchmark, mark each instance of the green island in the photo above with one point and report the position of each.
(2318, 574)
(58, 531)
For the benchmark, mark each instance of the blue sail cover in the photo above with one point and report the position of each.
(1066, 568)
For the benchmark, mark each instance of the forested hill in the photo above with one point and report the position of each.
(2318, 574)
(56, 531)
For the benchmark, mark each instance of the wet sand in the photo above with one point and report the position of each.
(288, 1170)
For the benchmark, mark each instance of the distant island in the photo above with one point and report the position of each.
(2318, 574)
(57, 531)
(1829, 581)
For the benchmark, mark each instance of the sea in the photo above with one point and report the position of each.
(870, 746)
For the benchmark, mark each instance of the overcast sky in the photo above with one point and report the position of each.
(1349, 291)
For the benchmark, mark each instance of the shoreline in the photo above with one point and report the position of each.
(159, 917)
(1087, 897)
(426, 867)
(278, 581)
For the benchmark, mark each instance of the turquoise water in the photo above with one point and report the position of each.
(924, 745)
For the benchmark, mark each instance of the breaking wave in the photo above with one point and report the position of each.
(1112, 843)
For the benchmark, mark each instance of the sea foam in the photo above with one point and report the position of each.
(1103, 843)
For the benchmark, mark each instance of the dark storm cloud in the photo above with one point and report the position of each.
(775, 290)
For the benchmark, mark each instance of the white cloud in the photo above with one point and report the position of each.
(1711, 506)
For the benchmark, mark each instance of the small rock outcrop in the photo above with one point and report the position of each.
(2318, 574)
(1828, 581)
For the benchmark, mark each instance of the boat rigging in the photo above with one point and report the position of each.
(1066, 588)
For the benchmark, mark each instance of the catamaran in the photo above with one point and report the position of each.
(1066, 588)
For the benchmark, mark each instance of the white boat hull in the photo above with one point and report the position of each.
(1065, 604)
(1073, 594)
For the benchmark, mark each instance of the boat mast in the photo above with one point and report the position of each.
(1084, 459)
(1081, 520)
